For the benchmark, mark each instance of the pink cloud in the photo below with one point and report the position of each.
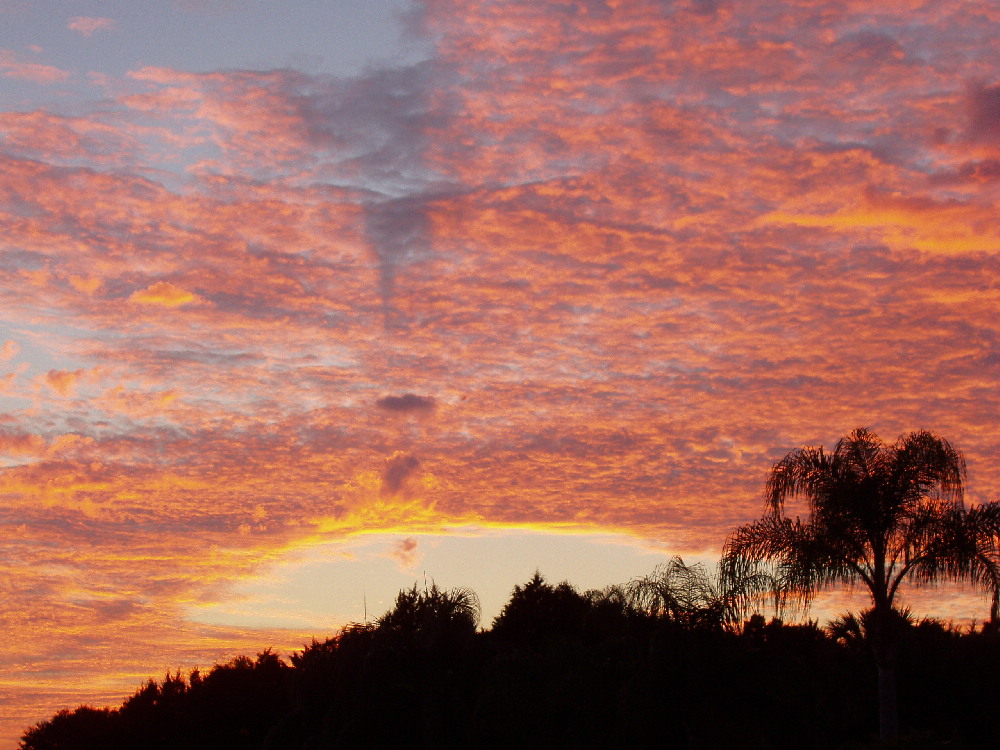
(90, 25)
(406, 553)
(58, 138)
(13, 67)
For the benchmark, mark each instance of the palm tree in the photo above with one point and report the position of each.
(685, 594)
(877, 515)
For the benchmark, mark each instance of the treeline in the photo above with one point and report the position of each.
(653, 664)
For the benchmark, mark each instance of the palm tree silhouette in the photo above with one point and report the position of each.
(877, 515)
(685, 594)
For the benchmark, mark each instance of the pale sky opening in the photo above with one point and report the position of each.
(326, 586)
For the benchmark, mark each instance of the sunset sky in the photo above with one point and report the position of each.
(305, 301)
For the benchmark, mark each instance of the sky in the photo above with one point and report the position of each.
(306, 302)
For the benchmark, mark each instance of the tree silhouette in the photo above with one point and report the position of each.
(84, 727)
(877, 515)
(556, 660)
(420, 664)
(560, 669)
(684, 594)
(538, 610)
(432, 614)
(240, 700)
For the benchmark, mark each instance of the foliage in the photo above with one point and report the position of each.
(84, 727)
(432, 614)
(685, 594)
(539, 609)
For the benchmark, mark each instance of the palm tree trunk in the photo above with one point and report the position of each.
(884, 650)
(888, 709)
(883, 646)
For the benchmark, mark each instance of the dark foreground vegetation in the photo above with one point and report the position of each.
(673, 660)
(560, 668)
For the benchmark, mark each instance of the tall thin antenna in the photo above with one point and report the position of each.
(364, 596)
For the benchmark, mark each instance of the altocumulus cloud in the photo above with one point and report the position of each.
(653, 246)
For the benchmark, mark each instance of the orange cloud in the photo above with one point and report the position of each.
(164, 294)
(85, 284)
(925, 224)
(63, 382)
(21, 444)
